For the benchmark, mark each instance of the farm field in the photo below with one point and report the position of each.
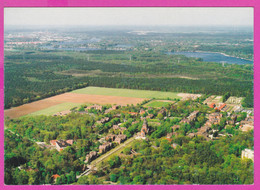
(67, 101)
(94, 95)
(29, 108)
(127, 93)
(158, 103)
(54, 109)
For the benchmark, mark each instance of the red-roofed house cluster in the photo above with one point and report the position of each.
(61, 144)
(220, 107)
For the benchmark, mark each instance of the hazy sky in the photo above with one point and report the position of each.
(129, 16)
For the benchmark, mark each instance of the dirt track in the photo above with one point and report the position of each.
(69, 97)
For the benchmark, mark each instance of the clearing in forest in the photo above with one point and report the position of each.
(67, 101)
(128, 93)
(54, 109)
(158, 103)
(93, 95)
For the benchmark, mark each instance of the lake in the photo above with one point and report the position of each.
(213, 57)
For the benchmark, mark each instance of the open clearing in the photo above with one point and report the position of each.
(127, 93)
(92, 95)
(70, 99)
(54, 109)
(29, 108)
(158, 103)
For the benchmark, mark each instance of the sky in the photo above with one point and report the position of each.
(129, 16)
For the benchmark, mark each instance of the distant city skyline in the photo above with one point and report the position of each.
(202, 16)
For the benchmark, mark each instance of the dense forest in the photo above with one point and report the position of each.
(47, 73)
(195, 160)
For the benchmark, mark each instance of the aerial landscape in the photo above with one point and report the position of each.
(128, 104)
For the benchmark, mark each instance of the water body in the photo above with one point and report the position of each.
(69, 48)
(213, 57)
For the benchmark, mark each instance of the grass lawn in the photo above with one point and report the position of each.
(127, 93)
(54, 109)
(157, 104)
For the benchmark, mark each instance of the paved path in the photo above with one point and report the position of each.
(94, 163)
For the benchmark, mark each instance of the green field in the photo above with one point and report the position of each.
(127, 93)
(157, 104)
(54, 109)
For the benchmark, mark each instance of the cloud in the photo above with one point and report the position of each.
(129, 16)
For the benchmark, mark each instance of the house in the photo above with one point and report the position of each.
(54, 177)
(214, 118)
(212, 105)
(82, 112)
(249, 120)
(91, 156)
(133, 113)
(61, 144)
(246, 127)
(221, 107)
(120, 138)
(115, 127)
(97, 107)
(203, 131)
(62, 113)
(53, 142)
(247, 124)
(70, 141)
(105, 147)
(31, 169)
(142, 111)
(144, 129)
(247, 153)
(108, 110)
(191, 135)
(115, 107)
(185, 120)
(122, 129)
(174, 145)
(162, 111)
(134, 122)
(150, 116)
(175, 127)
(169, 135)
(117, 115)
(103, 120)
(110, 137)
(232, 120)
(193, 115)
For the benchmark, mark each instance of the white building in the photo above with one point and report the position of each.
(247, 153)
